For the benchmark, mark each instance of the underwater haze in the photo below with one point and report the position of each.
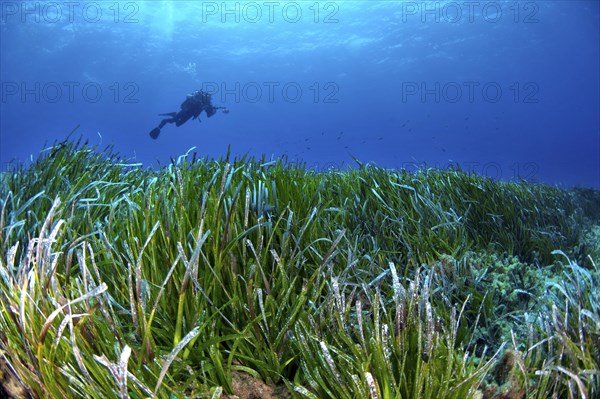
(505, 89)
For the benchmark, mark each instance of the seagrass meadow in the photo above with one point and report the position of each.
(256, 278)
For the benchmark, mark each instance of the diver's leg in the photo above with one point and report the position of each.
(165, 121)
(156, 131)
(182, 119)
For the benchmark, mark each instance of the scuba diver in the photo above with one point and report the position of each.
(192, 107)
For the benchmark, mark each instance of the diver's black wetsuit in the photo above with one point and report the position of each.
(192, 107)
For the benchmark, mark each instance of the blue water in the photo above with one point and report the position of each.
(505, 89)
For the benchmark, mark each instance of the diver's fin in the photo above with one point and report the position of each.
(168, 114)
(155, 132)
